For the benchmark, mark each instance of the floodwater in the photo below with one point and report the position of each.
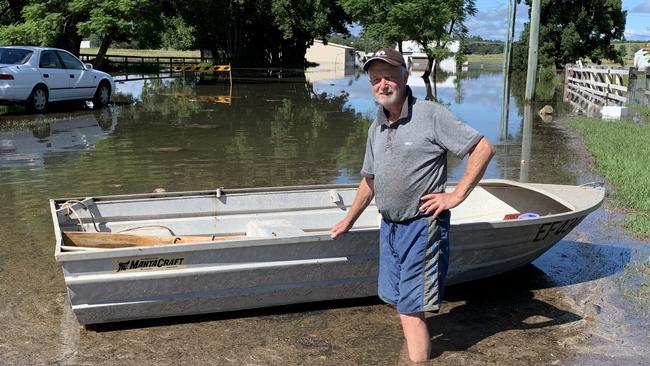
(581, 303)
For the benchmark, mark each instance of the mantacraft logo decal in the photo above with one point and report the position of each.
(148, 264)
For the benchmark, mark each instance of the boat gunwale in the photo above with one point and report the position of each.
(99, 253)
(213, 192)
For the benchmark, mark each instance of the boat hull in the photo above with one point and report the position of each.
(171, 280)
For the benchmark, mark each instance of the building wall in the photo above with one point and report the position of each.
(419, 63)
(330, 55)
(642, 60)
(415, 56)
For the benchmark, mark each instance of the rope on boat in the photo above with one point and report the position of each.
(147, 227)
(68, 205)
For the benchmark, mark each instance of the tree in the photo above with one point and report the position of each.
(373, 16)
(243, 32)
(62, 24)
(431, 23)
(570, 30)
(622, 49)
(177, 34)
(216, 28)
(301, 21)
(113, 20)
(10, 11)
(261, 32)
(46, 23)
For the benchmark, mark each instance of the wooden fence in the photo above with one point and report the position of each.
(163, 63)
(590, 88)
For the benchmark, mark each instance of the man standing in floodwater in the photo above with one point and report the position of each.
(405, 169)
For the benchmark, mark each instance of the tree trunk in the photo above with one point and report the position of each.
(435, 81)
(427, 70)
(101, 53)
(69, 39)
(427, 87)
(293, 55)
(399, 47)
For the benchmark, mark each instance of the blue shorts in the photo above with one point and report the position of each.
(413, 261)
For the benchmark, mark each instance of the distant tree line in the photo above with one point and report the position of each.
(479, 46)
(474, 45)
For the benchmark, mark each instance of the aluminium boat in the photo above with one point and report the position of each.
(165, 254)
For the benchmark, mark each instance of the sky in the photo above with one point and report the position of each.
(491, 20)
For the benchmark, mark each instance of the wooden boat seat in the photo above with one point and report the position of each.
(120, 240)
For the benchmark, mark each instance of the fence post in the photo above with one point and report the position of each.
(646, 91)
(631, 86)
(565, 95)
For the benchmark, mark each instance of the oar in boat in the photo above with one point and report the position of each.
(118, 240)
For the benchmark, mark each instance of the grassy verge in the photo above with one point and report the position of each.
(622, 155)
(644, 111)
(630, 47)
(486, 59)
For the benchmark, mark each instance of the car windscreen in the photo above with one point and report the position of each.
(14, 56)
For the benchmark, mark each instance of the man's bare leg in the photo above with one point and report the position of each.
(417, 336)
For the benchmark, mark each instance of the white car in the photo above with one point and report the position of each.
(37, 76)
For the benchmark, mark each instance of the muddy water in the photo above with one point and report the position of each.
(576, 305)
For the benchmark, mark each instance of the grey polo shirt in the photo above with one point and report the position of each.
(408, 158)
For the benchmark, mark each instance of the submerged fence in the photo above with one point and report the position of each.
(592, 87)
(163, 63)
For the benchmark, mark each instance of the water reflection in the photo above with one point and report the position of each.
(175, 136)
(329, 72)
(527, 135)
(190, 133)
(34, 142)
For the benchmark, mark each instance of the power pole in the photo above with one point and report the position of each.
(507, 53)
(533, 45)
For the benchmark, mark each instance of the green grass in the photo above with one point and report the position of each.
(642, 110)
(143, 53)
(621, 152)
(631, 48)
(486, 59)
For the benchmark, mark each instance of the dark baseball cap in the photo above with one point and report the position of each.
(389, 55)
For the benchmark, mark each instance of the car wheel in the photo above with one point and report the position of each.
(37, 101)
(102, 95)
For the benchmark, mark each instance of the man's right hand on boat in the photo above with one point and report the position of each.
(340, 228)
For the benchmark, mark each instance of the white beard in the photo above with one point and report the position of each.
(387, 97)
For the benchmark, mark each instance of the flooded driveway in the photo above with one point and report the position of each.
(581, 303)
